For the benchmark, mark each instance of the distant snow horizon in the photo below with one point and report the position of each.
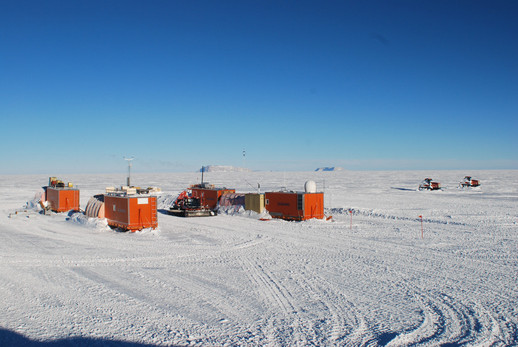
(223, 168)
(147, 165)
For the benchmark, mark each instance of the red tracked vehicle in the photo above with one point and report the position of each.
(187, 205)
(428, 184)
(469, 182)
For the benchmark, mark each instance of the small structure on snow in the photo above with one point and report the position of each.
(186, 205)
(297, 206)
(254, 202)
(130, 208)
(60, 197)
(209, 195)
(95, 206)
(428, 184)
(469, 182)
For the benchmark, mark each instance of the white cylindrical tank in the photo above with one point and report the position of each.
(310, 187)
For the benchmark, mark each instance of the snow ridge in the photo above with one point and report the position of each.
(372, 213)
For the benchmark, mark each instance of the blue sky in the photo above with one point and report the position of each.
(298, 84)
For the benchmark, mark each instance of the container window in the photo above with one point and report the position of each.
(300, 202)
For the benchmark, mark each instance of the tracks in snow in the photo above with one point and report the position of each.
(282, 283)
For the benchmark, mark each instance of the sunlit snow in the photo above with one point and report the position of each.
(369, 276)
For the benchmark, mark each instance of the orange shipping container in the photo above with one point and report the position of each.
(131, 212)
(62, 199)
(295, 205)
(209, 197)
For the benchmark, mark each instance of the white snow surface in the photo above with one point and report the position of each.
(366, 278)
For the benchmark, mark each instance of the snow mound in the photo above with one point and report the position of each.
(34, 203)
(165, 201)
(223, 168)
(240, 211)
(81, 219)
(380, 215)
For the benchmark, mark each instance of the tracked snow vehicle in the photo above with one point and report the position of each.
(469, 182)
(428, 184)
(187, 205)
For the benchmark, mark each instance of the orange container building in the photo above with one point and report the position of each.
(209, 195)
(296, 206)
(62, 199)
(131, 212)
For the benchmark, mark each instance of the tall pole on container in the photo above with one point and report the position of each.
(202, 170)
(244, 157)
(129, 170)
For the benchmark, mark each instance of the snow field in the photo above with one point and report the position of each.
(233, 279)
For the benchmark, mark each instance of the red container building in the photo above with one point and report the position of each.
(296, 206)
(131, 212)
(209, 195)
(62, 199)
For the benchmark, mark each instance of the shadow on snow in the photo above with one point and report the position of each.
(10, 338)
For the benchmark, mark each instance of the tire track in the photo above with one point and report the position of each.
(348, 325)
(282, 323)
(445, 321)
(186, 293)
(268, 287)
(445, 317)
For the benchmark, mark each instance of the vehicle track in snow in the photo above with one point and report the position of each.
(347, 325)
(445, 321)
(444, 318)
(233, 280)
(280, 307)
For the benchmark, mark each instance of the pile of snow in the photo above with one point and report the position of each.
(239, 210)
(165, 201)
(34, 203)
(223, 168)
(329, 168)
(81, 219)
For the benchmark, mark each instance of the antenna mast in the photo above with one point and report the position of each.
(129, 170)
(244, 157)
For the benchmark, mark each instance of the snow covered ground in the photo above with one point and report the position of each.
(369, 278)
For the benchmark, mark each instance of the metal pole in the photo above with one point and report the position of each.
(129, 170)
(129, 174)
(422, 231)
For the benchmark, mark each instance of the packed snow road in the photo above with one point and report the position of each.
(370, 276)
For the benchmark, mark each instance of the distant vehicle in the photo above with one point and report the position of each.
(469, 182)
(428, 184)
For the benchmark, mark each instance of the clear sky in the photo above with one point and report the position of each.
(296, 84)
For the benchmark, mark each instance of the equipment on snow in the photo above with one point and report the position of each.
(428, 184)
(469, 182)
(187, 205)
